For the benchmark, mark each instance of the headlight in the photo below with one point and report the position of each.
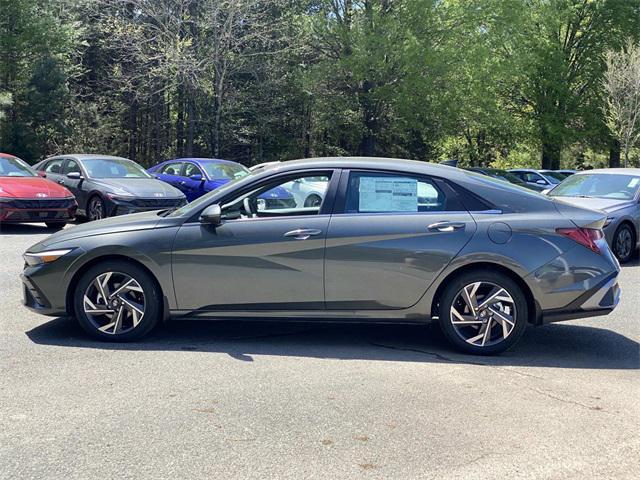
(121, 198)
(608, 221)
(39, 258)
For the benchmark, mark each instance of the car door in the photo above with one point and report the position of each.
(193, 187)
(74, 185)
(390, 236)
(53, 169)
(261, 257)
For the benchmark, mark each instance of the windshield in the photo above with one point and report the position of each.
(231, 171)
(14, 167)
(598, 185)
(113, 168)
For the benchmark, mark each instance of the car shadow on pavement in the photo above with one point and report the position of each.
(26, 229)
(554, 346)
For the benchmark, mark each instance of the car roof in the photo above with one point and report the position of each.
(612, 171)
(201, 160)
(87, 156)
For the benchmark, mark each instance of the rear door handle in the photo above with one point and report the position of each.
(446, 226)
(303, 233)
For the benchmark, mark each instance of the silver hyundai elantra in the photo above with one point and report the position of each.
(393, 241)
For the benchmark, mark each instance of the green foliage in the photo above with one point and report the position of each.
(489, 82)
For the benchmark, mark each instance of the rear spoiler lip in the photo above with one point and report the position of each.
(581, 217)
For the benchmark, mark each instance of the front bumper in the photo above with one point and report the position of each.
(117, 207)
(28, 210)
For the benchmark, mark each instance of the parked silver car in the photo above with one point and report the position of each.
(615, 191)
(392, 241)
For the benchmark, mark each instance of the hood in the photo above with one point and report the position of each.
(31, 187)
(591, 203)
(139, 187)
(128, 223)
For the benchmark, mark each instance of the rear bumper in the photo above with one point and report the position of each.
(599, 300)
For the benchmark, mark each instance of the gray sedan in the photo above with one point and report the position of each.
(391, 241)
(616, 191)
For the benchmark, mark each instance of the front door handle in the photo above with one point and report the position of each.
(446, 226)
(303, 233)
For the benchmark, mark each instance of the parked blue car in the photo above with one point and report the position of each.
(197, 176)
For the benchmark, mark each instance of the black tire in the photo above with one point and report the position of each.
(624, 243)
(152, 301)
(55, 225)
(313, 201)
(454, 334)
(96, 209)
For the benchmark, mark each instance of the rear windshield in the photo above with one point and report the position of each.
(14, 167)
(598, 185)
(114, 168)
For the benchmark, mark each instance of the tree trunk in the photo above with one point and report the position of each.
(215, 127)
(368, 143)
(550, 156)
(190, 125)
(180, 123)
(133, 130)
(614, 154)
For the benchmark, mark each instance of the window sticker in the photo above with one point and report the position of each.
(634, 182)
(384, 194)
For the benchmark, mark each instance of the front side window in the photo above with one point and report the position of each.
(114, 168)
(71, 167)
(222, 171)
(298, 195)
(191, 169)
(391, 193)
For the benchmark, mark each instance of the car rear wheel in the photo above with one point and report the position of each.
(483, 313)
(95, 209)
(624, 243)
(117, 302)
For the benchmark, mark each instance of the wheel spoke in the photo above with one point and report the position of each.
(125, 285)
(498, 295)
(132, 306)
(470, 296)
(463, 318)
(118, 321)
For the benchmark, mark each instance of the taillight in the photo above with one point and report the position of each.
(586, 237)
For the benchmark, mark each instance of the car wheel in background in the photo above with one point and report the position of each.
(95, 209)
(117, 301)
(55, 225)
(624, 243)
(483, 313)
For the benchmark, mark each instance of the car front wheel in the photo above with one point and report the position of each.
(624, 243)
(483, 313)
(117, 301)
(96, 209)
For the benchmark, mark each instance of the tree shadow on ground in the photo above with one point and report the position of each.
(554, 346)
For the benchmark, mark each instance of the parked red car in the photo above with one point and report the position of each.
(27, 197)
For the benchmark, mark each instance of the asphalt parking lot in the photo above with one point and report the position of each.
(274, 400)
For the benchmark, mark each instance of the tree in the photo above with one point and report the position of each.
(622, 86)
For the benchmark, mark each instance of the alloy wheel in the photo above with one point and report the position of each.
(96, 210)
(624, 243)
(483, 314)
(114, 303)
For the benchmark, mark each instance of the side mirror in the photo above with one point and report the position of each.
(196, 177)
(41, 173)
(541, 182)
(74, 176)
(212, 215)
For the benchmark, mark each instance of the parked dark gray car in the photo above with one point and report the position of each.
(106, 186)
(392, 241)
(616, 191)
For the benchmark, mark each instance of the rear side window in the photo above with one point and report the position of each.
(54, 166)
(372, 192)
(172, 168)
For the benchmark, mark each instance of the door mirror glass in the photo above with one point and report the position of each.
(196, 177)
(541, 182)
(212, 215)
(74, 175)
